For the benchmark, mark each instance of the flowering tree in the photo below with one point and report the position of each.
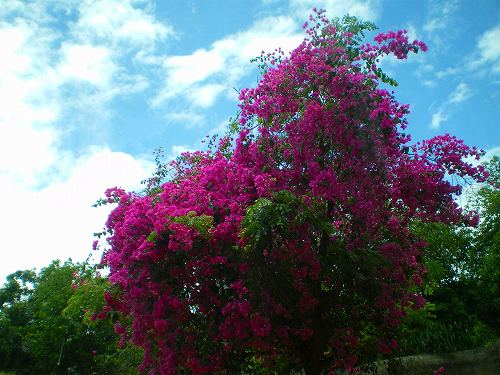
(288, 247)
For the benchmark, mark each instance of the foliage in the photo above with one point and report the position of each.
(293, 249)
(14, 315)
(488, 242)
(46, 324)
(462, 281)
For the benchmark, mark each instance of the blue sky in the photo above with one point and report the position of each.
(89, 89)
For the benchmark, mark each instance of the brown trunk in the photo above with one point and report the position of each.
(312, 356)
(312, 369)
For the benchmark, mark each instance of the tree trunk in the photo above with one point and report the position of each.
(312, 355)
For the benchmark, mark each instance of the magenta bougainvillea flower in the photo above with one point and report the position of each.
(290, 246)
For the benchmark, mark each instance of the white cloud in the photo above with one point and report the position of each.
(264, 35)
(488, 50)
(447, 72)
(483, 60)
(14, 39)
(186, 70)
(428, 83)
(442, 24)
(27, 143)
(25, 152)
(53, 74)
(438, 118)
(39, 62)
(205, 96)
(461, 93)
(58, 220)
(367, 10)
(40, 11)
(122, 22)
(189, 119)
(86, 63)
(440, 15)
(226, 61)
(102, 38)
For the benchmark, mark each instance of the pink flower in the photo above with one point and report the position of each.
(247, 244)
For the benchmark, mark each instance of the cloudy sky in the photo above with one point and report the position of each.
(89, 89)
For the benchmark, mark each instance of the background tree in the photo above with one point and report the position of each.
(462, 281)
(84, 310)
(14, 316)
(488, 243)
(47, 325)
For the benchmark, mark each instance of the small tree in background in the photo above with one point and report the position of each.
(463, 278)
(47, 325)
(289, 248)
(43, 340)
(15, 314)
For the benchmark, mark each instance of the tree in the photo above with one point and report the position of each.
(488, 242)
(46, 324)
(103, 353)
(461, 285)
(289, 247)
(14, 315)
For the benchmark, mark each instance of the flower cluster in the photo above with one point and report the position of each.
(296, 246)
